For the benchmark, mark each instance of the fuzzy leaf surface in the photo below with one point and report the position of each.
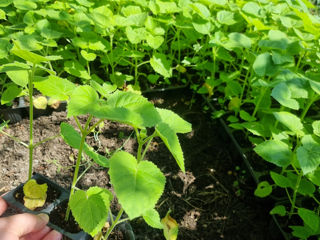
(95, 201)
(308, 154)
(55, 87)
(170, 139)
(175, 122)
(274, 151)
(138, 186)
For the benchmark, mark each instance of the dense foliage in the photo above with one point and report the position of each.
(259, 59)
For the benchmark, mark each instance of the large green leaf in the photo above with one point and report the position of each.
(10, 94)
(264, 66)
(277, 40)
(138, 186)
(308, 154)
(76, 69)
(176, 123)
(282, 94)
(274, 151)
(310, 218)
(290, 120)
(130, 104)
(55, 87)
(263, 189)
(83, 100)
(46, 30)
(25, 5)
(15, 66)
(73, 138)
(29, 56)
(19, 77)
(170, 139)
(280, 180)
(161, 65)
(226, 17)
(90, 208)
(237, 40)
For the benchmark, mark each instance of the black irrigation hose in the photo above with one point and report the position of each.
(246, 161)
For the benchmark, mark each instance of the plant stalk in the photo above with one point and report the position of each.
(84, 134)
(294, 196)
(30, 146)
(115, 222)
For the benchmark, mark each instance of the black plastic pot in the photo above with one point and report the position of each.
(11, 199)
(16, 114)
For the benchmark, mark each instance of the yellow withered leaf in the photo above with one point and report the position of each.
(170, 227)
(40, 102)
(35, 194)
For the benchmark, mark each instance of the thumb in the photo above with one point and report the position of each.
(22, 224)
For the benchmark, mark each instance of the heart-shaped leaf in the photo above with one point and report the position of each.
(90, 208)
(138, 186)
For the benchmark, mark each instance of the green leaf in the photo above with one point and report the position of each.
(238, 40)
(277, 40)
(282, 94)
(130, 108)
(310, 218)
(263, 189)
(290, 120)
(76, 69)
(252, 8)
(226, 17)
(29, 56)
(201, 9)
(138, 186)
(246, 116)
(279, 210)
(19, 77)
(73, 138)
(25, 5)
(105, 90)
(264, 66)
(316, 127)
(308, 154)
(161, 65)
(154, 41)
(152, 218)
(95, 201)
(45, 29)
(55, 87)
(135, 35)
(314, 177)
(280, 180)
(5, 3)
(176, 123)
(83, 100)
(301, 232)
(202, 26)
(88, 56)
(10, 94)
(4, 48)
(274, 151)
(170, 139)
(280, 58)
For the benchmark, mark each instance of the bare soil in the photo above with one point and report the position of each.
(212, 200)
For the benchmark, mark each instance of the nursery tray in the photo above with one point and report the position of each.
(10, 198)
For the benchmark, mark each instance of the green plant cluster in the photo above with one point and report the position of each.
(259, 58)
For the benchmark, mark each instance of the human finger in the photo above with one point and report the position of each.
(37, 235)
(53, 235)
(3, 206)
(25, 223)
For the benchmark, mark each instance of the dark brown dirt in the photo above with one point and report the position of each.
(212, 200)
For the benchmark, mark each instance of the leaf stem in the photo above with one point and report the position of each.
(294, 196)
(15, 139)
(84, 134)
(116, 222)
(30, 146)
(149, 139)
(45, 140)
(306, 109)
